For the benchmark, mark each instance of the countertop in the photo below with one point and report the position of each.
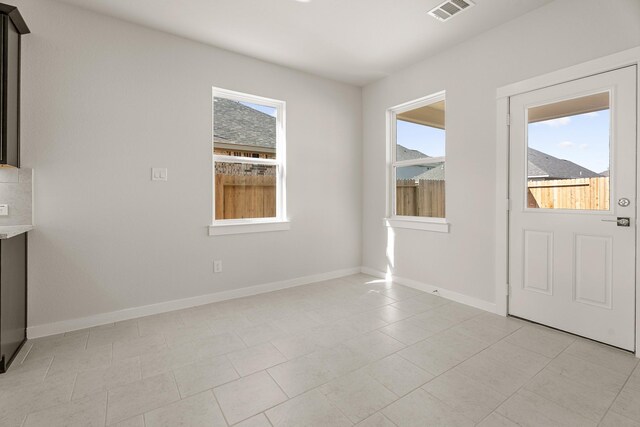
(9, 231)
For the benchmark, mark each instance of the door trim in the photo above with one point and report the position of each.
(601, 65)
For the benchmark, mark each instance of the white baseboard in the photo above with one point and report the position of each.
(453, 296)
(54, 328)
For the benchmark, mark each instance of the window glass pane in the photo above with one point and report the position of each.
(420, 190)
(420, 133)
(568, 154)
(243, 129)
(245, 190)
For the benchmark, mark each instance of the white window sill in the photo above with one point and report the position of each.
(427, 224)
(242, 227)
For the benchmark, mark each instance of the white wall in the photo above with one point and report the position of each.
(103, 102)
(558, 35)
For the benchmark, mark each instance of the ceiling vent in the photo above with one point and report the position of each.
(450, 8)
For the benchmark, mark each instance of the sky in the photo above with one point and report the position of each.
(582, 139)
(425, 139)
(267, 110)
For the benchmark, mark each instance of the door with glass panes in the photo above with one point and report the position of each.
(573, 206)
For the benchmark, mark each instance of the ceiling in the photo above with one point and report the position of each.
(354, 41)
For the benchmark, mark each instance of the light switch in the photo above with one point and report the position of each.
(4, 210)
(158, 174)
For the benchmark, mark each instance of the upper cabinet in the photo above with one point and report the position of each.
(12, 27)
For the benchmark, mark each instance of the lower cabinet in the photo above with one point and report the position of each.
(13, 297)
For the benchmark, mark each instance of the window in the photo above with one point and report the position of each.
(248, 163)
(417, 163)
(568, 155)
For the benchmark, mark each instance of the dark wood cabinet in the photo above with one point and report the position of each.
(13, 297)
(12, 27)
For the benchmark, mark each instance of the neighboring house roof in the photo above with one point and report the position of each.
(605, 173)
(543, 165)
(403, 153)
(433, 174)
(235, 123)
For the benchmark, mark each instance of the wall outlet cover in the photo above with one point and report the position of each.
(4, 210)
(159, 174)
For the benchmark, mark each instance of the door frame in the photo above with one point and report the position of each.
(601, 65)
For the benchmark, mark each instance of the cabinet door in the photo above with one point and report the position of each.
(13, 295)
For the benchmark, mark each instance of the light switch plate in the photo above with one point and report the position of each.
(4, 210)
(158, 174)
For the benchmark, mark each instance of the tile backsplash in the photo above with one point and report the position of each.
(16, 190)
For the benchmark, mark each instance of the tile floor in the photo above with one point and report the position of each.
(350, 351)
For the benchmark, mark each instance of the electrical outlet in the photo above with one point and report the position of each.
(4, 210)
(158, 174)
(217, 266)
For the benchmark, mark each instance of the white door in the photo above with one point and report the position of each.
(572, 219)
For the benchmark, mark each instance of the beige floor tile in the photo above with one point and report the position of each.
(89, 411)
(616, 420)
(191, 352)
(496, 420)
(299, 375)
(478, 330)
(461, 344)
(374, 345)
(544, 341)
(139, 397)
(248, 396)
(628, 404)
(50, 346)
(160, 323)
(398, 374)
(293, 346)
(603, 355)
(634, 379)
(137, 421)
(253, 359)
(457, 312)
(406, 332)
(30, 372)
(204, 375)
(198, 410)
(259, 334)
(503, 379)
(466, 396)
(228, 324)
(180, 336)
(399, 292)
(20, 401)
(516, 357)
(587, 373)
(99, 380)
(296, 323)
(376, 420)
(105, 336)
(419, 409)
(411, 306)
(148, 344)
(589, 402)
(259, 420)
(78, 361)
(364, 322)
(390, 314)
(309, 409)
(357, 395)
(433, 358)
(531, 410)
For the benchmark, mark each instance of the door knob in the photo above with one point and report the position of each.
(620, 221)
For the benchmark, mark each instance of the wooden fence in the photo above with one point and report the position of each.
(582, 193)
(420, 198)
(245, 196)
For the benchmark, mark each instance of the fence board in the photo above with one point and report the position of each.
(240, 197)
(424, 198)
(581, 193)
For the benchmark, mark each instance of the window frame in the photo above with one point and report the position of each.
(405, 221)
(250, 225)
